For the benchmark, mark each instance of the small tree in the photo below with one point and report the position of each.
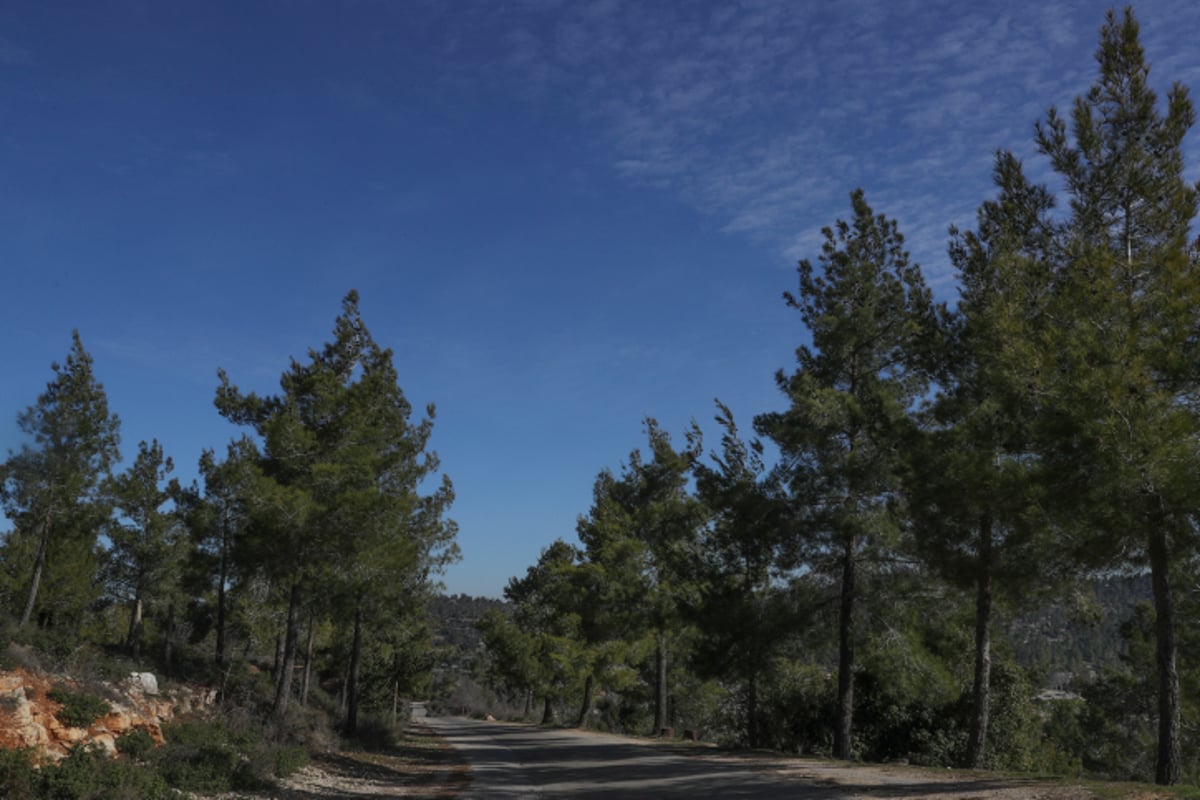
(742, 551)
(643, 533)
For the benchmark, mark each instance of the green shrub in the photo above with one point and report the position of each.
(135, 744)
(213, 756)
(375, 733)
(204, 756)
(210, 768)
(289, 759)
(17, 775)
(88, 772)
(79, 710)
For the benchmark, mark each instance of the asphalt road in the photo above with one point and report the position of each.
(509, 761)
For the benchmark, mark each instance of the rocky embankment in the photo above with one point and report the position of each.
(29, 718)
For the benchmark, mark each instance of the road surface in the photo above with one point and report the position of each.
(510, 761)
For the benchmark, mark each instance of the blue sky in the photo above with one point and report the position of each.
(562, 216)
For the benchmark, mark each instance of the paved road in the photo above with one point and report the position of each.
(509, 761)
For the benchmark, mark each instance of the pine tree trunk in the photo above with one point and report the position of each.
(977, 743)
(283, 683)
(587, 701)
(752, 737)
(133, 640)
(169, 638)
(1167, 767)
(39, 562)
(352, 679)
(222, 577)
(843, 728)
(308, 656)
(660, 684)
(547, 711)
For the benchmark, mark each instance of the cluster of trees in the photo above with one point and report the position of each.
(1043, 430)
(323, 522)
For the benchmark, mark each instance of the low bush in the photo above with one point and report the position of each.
(18, 778)
(213, 756)
(206, 756)
(289, 759)
(136, 744)
(88, 772)
(375, 733)
(79, 709)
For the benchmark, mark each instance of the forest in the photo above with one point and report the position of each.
(943, 473)
(306, 552)
(877, 570)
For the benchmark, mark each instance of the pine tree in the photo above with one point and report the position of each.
(974, 486)
(219, 518)
(1122, 374)
(643, 532)
(545, 609)
(147, 541)
(50, 489)
(336, 504)
(872, 322)
(742, 551)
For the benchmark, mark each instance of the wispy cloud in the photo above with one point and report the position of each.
(766, 113)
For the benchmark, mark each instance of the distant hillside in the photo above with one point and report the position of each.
(1080, 635)
(453, 618)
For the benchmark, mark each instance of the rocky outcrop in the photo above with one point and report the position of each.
(29, 717)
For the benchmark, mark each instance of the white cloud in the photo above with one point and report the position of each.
(766, 113)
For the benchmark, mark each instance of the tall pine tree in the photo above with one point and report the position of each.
(872, 320)
(147, 540)
(1123, 376)
(974, 487)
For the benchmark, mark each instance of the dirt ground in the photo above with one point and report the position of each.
(897, 781)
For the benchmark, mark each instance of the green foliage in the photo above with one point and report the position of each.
(344, 510)
(18, 777)
(136, 744)
(740, 612)
(1063, 738)
(147, 542)
(376, 733)
(87, 773)
(1120, 369)
(211, 757)
(798, 702)
(79, 709)
(873, 326)
(288, 759)
(49, 489)
(1015, 732)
